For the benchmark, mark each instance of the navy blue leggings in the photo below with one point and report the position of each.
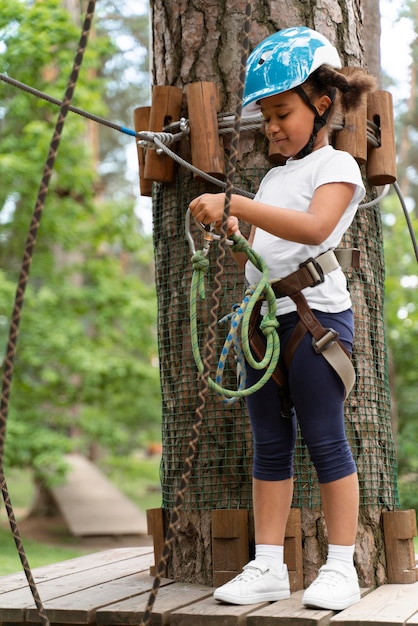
(318, 396)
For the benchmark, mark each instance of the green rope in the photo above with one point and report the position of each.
(268, 324)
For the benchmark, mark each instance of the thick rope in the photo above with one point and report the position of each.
(19, 298)
(210, 345)
(240, 316)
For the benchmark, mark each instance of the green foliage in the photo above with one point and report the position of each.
(401, 308)
(137, 476)
(408, 494)
(86, 366)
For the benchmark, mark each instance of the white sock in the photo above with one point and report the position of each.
(271, 555)
(343, 554)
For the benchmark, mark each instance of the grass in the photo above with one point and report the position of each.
(37, 553)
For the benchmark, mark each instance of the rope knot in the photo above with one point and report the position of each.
(268, 325)
(200, 262)
(240, 244)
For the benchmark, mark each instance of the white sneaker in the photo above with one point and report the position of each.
(256, 583)
(335, 588)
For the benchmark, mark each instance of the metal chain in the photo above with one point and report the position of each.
(210, 345)
(20, 293)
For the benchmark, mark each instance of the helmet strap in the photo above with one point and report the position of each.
(319, 121)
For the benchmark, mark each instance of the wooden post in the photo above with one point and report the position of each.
(206, 145)
(353, 137)
(293, 554)
(230, 550)
(155, 523)
(141, 122)
(381, 161)
(399, 528)
(166, 108)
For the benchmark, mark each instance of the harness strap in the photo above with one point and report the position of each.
(324, 340)
(312, 271)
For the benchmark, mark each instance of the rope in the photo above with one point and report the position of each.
(19, 298)
(201, 173)
(208, 356)
(407, 219)
(240, 313)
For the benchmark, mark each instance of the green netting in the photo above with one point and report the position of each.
(221, 476)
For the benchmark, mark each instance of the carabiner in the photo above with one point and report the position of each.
(209, 235)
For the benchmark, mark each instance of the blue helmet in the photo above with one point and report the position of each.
(284, 61)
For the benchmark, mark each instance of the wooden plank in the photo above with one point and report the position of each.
(209, 612)
(387, 605)
(230, 550)
(169, 598)
(79, 564)
(15, 604)
(293, 553)
(155, 523)
(79, 607)
(291, 612)
(92, 505)
(400, 527)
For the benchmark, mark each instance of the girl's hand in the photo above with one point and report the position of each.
(208, 208)
(233, 226)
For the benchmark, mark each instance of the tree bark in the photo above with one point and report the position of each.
(202, 41)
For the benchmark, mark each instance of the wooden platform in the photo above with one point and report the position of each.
(112, 587)
(91, 505)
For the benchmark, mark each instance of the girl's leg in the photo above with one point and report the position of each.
(319, 402)
(340, 503)
(272, 501)
(266, 578)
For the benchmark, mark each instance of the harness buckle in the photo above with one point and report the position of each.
(325, 342)
(315, 271)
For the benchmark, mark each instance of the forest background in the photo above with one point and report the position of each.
(86, 371)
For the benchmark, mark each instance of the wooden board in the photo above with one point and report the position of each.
(385, 606)
(79, 606)
(92, 505)
(209, 612)
(75, 575)
(112, 588)
(169, 598)
(289, 611)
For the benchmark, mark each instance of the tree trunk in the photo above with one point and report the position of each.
(202, 41)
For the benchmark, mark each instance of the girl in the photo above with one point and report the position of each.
(301, 210)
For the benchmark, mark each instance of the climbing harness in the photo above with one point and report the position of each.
(324, 340)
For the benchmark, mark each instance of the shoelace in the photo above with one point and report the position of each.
(330, 577)
(249, 573)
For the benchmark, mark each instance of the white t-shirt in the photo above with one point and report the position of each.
(292, 186)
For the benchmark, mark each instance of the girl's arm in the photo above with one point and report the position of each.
(325, 210)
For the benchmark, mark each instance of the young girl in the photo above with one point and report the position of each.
(301, 210)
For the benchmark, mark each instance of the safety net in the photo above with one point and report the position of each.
(221, 474)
